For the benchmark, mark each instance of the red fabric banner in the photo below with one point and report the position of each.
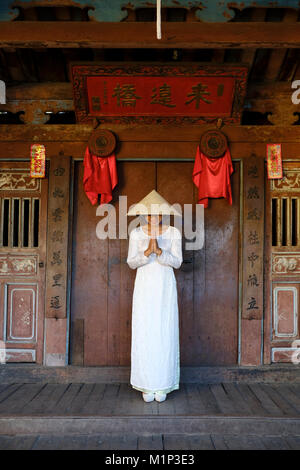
(99, 177)
(212, 177)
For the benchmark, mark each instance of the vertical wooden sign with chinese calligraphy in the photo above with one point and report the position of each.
(253, 238)
(57, 244)
(253, 245)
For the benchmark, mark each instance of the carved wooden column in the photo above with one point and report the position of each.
(57, 262)
(253, 258)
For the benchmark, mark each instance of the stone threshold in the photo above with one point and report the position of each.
(275, 426)
(28, 373)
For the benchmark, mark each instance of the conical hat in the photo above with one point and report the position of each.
(153, 203)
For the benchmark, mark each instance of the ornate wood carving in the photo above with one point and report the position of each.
(274, 99)
(18, 265)
(40, 98)
(18, 180)
(289, 182)
(213, 143)
(33, 112)
(284, 263)
(102, 142)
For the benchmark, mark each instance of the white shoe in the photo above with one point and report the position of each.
(148, 397)
(160, 396)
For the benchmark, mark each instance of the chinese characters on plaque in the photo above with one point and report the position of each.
(159, 95)
(57, 238)
(198, 93)
(252, 307)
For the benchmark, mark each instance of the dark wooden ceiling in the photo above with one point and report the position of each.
(22, 65)
(38, 65)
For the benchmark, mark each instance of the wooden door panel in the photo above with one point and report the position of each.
(217, 302)
(134, 182)
(285, 310)
(174, 182)
(283, 258)
(208, 279)
(23, 220)
(21, 312)
(102, 282)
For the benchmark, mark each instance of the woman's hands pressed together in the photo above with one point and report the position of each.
(153, 248)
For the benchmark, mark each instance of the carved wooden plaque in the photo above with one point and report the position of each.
(139, 92)
(253, 237)
(57, 244)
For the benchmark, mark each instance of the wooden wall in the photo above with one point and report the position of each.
(159, 143)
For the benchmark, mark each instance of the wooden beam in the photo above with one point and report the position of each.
(40, 91)
(277, 56)
(23, 34)
(35, 99)
(147, 133)
(136, 150)
(63, 90)
(248, 55)
(274, 98)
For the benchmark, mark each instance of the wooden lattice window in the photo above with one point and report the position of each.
(19, 222)
(286, 208)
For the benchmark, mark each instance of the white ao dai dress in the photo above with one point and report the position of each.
(155, 356)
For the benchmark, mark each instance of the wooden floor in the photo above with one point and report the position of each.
(234, 399)
(114, 416)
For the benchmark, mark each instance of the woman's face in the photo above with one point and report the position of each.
(154, 219)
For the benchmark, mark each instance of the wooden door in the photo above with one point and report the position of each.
(208, 278)
(23, 212)
(283, 259)
(102, 282)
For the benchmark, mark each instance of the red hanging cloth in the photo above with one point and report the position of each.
(212, 177)
(99, 177)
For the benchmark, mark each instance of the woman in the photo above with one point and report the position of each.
(154, 249)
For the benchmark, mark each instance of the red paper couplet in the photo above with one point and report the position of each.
(38, 161)
(274, 161)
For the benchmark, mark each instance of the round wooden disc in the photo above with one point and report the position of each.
(213, 143)
(102, 142)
